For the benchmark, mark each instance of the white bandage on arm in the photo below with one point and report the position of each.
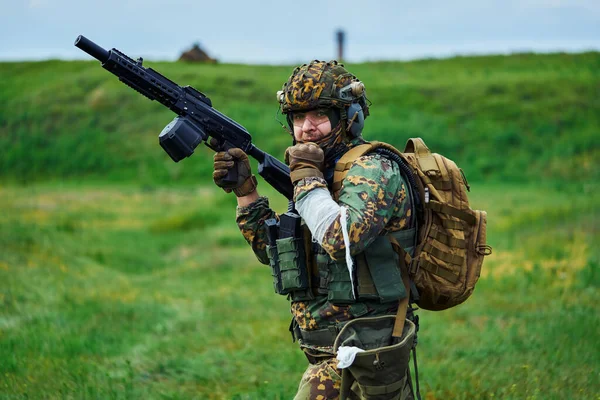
(319, 211)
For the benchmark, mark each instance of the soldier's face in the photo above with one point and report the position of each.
(311, 126)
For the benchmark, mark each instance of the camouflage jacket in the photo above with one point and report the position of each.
(376, 199)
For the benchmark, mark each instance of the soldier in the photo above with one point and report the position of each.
(350, 262)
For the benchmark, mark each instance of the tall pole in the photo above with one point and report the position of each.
(340, 35)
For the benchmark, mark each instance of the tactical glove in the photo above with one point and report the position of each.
(305, 160)
(236, 160)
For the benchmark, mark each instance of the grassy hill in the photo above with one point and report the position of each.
(123, 275)
(523, 117)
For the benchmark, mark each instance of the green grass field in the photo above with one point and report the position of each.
(123, 275)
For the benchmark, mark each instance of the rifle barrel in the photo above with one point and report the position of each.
(91, 48)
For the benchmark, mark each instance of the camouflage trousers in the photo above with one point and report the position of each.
(320, 382)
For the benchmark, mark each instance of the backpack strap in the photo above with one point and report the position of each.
(347, 160)
(345, 163)
(399, 248)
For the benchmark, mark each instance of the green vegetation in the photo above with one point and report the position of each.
(123, 274)
(541, 112)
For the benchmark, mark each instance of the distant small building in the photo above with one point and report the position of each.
(196, 54)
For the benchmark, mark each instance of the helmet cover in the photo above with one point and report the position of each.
(317, 85)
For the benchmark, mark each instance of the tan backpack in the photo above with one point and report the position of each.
(451, 243)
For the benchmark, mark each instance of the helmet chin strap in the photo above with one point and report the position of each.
(334, 115)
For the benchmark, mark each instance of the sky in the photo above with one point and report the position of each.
(289, 32)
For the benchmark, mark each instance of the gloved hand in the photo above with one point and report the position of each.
(237, 160)
(305, 160)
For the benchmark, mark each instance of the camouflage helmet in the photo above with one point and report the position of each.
(321, 84)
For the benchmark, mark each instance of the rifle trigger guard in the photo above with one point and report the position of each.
(213, 144)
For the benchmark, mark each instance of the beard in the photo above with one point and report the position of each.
(334, 145)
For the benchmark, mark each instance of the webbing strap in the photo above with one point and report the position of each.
(442, 255)
(403, 304)
(402, 242)
(439, 271)
(448, 240)
(451, 224)
(442, 185)
(414, 351)
(345, 163)
(309, 257)
(444, 172)
(365, 282)
(453, 211)
(404, 238)
(383, 389)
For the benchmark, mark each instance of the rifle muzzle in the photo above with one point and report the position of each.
(91, 48)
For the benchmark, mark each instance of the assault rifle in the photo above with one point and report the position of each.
(197, 120)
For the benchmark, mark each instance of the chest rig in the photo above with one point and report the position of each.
(303, 270)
